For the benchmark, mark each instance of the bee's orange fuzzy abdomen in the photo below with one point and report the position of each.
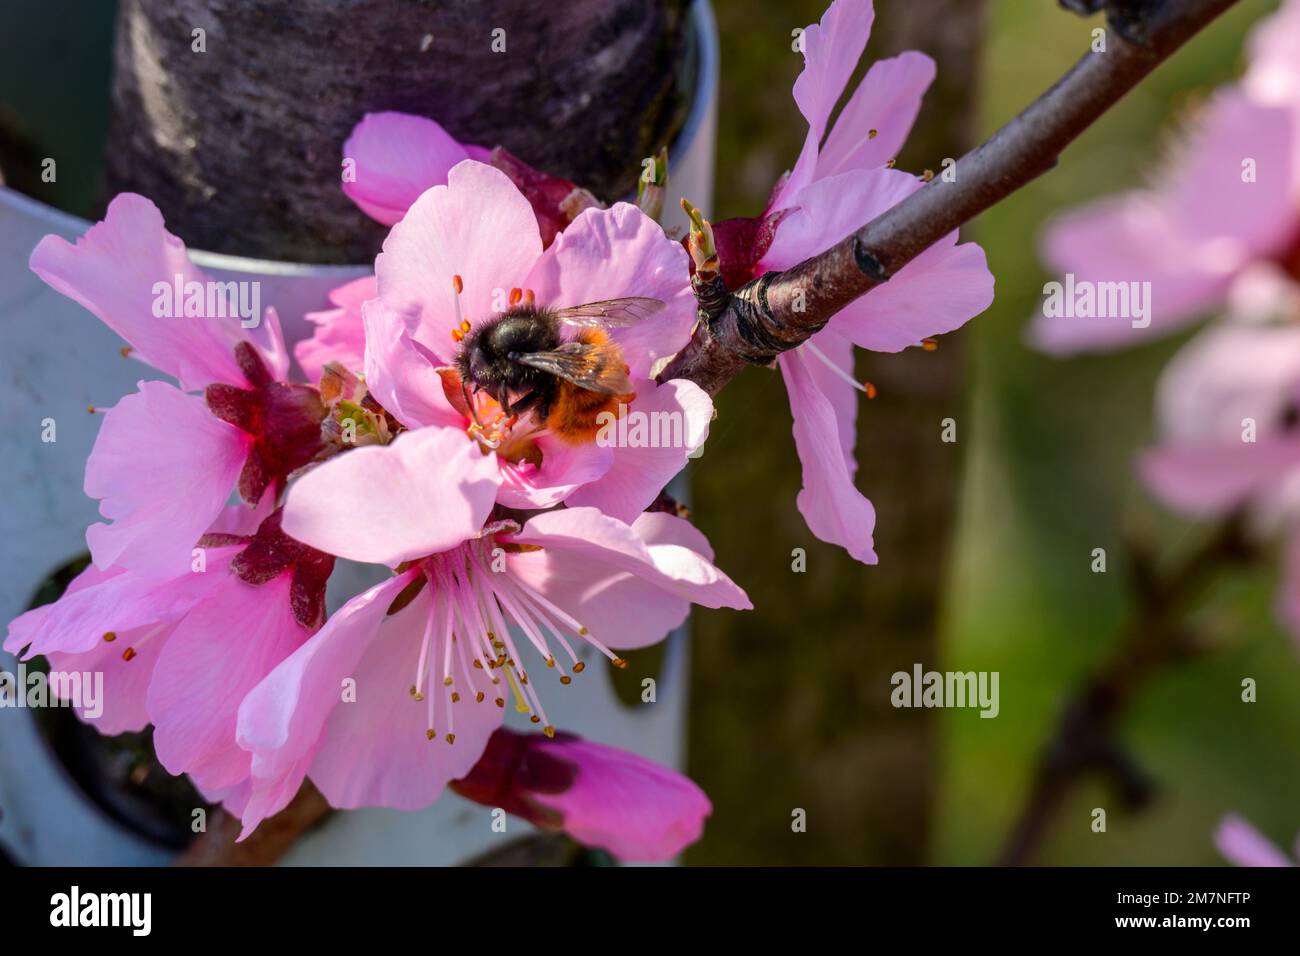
(575, 415)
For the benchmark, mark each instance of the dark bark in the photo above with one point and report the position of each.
(240, 146)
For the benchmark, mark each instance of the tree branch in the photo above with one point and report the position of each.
(216, 846)
(780, 310)
(1154, 640)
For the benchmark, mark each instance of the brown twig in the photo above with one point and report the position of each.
(1152, 641)
(780, 310)
(216, 846)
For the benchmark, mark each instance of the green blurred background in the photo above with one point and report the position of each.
(1048, 451)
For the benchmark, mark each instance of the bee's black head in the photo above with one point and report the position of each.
(485, 356)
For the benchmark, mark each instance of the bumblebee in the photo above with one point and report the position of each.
(522, 359)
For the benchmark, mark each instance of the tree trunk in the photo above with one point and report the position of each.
(241, 145)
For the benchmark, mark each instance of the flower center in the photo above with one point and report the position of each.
(468, 655)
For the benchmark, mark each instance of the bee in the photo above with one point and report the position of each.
(522, 359)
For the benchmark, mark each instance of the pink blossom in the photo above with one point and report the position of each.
(1227, 410)
(115, 622)
(1243, 845)
(1274, 72)
(835, 187)
(166, 646)
(339, 335)
(601, 796)
(480, 233)
(425, 706)
(165, 461)
(1224, 203)
(396, 157)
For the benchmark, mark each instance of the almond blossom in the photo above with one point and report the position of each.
(1225, 205)
(394, 469)
(165, 645)
(601, 796)
(464, 253)
(166, 461)
(438, 650)
(842, 180)
(390, 160)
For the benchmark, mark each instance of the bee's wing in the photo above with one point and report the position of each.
(610, 313)
(595, 366)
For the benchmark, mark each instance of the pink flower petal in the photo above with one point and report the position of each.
(665, 425)
(375, 750)
(208, 667)
(564, 469)
(632, 807)
(115, 601)
(1188, 237)
(113, 269)
(1208, 479)
(339, 335)
(842, 397)
(138, 612)
(622, 609)
(163, 468)
(939, 291)
(585, 534)
(1225, 375)
(397, 157)
(1243, 845)
(614, 253)
(1208, 190)
(872, 127)
(478, 226)
(121, 701)
(601, 796)
(399, 376)
(832, 49)
(429, 490)
(280, 721)
(1274, 74)
(829, 209)
(836, 512)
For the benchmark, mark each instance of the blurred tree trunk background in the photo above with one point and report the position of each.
(240, 143)
(791, 701)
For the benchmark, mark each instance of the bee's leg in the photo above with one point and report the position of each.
(524, 402)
